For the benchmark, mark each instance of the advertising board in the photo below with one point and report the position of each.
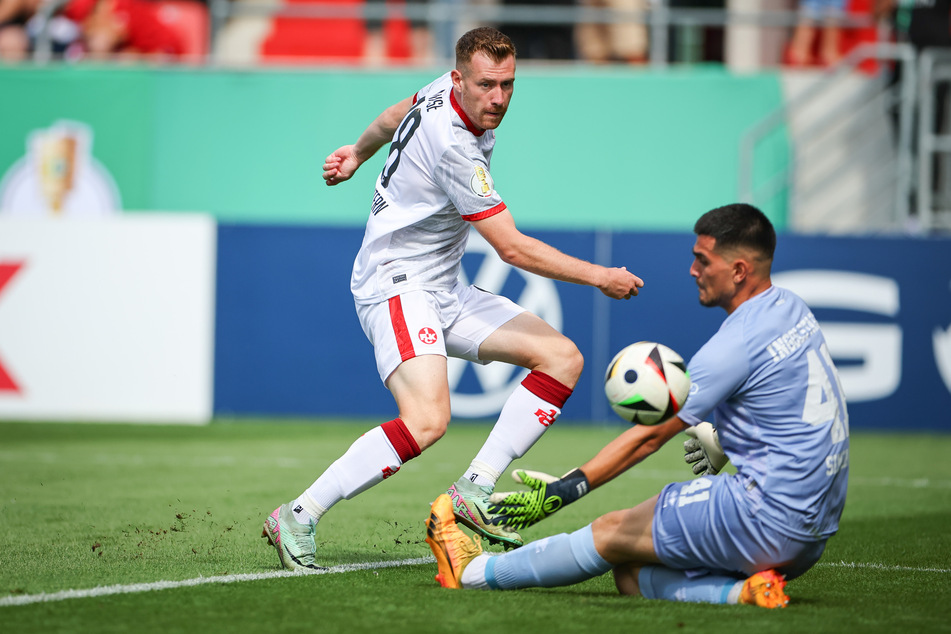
(107, 319)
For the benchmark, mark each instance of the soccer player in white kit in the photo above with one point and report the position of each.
(434, 186)
(767, 380)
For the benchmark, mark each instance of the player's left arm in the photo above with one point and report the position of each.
(533, 255)
(345, 161)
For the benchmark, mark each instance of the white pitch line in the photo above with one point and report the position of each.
(849, 564)
(902, 483)
(104, 591)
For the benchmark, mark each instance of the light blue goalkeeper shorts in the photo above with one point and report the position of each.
(703, 527)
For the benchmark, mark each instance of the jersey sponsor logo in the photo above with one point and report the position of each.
(481, 390)
(481, 182)
(428, 336)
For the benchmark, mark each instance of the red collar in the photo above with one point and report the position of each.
(462, 114)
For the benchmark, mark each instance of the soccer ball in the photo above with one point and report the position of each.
(647, 383)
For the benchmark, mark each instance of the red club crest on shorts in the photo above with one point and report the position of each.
(428, 336)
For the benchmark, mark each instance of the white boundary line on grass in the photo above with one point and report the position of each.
(104, 591)
(849, 564)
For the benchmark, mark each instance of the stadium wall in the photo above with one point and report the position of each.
(580, 148)
(620, 180)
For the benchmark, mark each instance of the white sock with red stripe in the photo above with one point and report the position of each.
(373, 457)
(528, 412)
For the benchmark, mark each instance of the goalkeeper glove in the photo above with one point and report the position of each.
(546, 494)
(703, 450)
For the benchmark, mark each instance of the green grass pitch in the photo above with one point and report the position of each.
(101, 508)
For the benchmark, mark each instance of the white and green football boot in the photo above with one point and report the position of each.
(470, 506)
(294, 541)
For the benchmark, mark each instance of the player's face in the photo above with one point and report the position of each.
(484, 89)
(713, 273)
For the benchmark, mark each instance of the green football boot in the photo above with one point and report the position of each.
(470, 504)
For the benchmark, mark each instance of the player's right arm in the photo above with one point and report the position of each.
(628, 449)
(546, 495)
(344, 162)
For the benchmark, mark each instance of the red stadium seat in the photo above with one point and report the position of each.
(314, 40)
(332, 40)
(189, 20)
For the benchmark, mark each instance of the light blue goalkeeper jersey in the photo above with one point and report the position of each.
(768, 384)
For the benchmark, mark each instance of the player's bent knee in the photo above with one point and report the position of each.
(564, 361)
(618, 540)
(427, 431)
(574, 360)
(607, 527)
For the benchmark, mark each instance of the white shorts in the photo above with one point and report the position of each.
(451, 324)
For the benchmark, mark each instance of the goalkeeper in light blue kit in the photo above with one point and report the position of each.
(768, 384)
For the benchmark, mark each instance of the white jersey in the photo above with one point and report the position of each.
(436, 178)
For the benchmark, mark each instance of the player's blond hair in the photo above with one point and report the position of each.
(491, 42)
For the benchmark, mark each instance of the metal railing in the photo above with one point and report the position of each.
(43, 49)
(443, 16)
(899, 98)
(934, 141)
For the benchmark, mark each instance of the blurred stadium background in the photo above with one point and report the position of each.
(168, 252)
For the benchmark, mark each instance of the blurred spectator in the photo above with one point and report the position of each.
(541, 41)
(819, 26)
(21, 23)
(14, 42)
(124, 27)
(622, 41)
(398, 38)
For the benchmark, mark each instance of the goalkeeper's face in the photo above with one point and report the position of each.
(713, 273)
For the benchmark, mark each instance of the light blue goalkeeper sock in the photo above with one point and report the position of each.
(658, 582)
(559, 560)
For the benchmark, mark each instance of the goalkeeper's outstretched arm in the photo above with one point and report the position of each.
(547, 494)
(628, 449)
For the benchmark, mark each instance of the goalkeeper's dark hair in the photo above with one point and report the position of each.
(738, 225)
